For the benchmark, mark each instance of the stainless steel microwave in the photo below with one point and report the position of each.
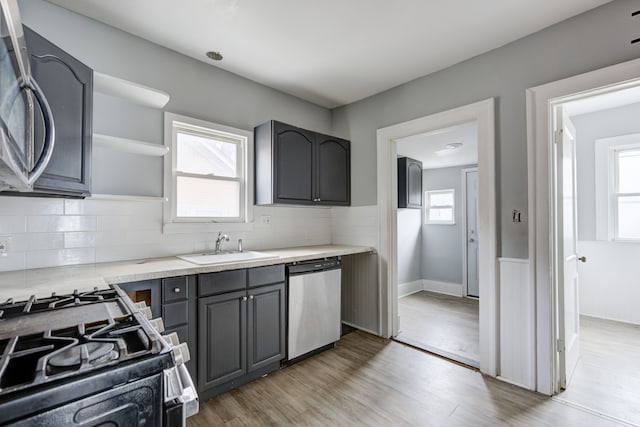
(20, 99)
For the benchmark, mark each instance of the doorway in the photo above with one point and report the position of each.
(437, 242)
(575, 216)
(483, 114)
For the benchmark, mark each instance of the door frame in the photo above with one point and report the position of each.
(482, 112)
(465, 231)
(540, 101)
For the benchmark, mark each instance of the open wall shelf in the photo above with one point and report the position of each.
(129, 145)
(131, 91)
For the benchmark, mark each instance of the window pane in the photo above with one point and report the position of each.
(629, 217)
(629, 171)
(199, 197)
(441, 199)
(201, 155)
(440, 214)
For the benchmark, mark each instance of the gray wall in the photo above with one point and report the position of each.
(442, 243)
(589, 127)
(409, 245)
(587, 42)
(197, 90)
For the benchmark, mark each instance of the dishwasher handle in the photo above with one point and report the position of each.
(314, 266)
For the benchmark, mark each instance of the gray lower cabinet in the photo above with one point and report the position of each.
(241, 327)
(222, 340)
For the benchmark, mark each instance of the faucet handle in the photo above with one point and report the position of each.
(239, 245)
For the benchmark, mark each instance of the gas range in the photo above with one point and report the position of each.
(82, 358)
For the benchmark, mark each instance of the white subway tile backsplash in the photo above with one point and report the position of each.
(10, 205)
(42, 241)
(51, 258)
(59, 223)
(79, 239)
(13, 224)
(63, 232)
(12, 261)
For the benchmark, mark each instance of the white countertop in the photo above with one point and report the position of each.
(43, 281)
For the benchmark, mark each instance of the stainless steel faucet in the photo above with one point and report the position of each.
(221, 238)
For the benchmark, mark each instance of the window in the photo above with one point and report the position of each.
(206, 172)
(617, 174)
(626, 195)
(440, 207)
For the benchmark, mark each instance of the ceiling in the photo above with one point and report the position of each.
(619, 98)
(331, 52)
(430, 149)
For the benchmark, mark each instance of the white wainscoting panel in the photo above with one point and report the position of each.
(610, 280)
(517, 322)
(454, 289)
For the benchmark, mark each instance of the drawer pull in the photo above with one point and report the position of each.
(176, 290)
(244, 298)
(250, 296)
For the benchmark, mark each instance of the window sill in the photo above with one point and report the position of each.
(209, 227)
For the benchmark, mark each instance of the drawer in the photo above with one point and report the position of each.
(266, 275)
(225, 281)
(175, 314)
(174, 289)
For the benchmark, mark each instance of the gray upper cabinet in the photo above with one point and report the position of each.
(298, 166)
(333, 185)
(409, 183)
(68, 86)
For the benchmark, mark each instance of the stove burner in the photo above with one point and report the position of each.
(93, 352)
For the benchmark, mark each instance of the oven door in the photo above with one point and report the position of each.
(20, 165)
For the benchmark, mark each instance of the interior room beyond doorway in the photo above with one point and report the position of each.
(437, 242)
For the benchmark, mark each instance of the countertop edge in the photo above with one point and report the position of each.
(42, 282)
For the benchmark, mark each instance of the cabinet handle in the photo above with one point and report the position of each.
(244, 298)
(176, 290)
(250, 296)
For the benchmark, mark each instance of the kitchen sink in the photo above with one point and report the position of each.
(225, 257)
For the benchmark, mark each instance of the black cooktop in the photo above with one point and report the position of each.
(46, 340)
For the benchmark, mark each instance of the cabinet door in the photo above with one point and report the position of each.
(293, 165)
(222, 332)
(266, 325)
(414, 185)
(333, 177)
(68, 86)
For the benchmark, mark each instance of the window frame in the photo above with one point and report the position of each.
(606, 177)
(174, 124)
(428, 206)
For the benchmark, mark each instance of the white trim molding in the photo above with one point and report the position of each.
(483, 113)
(453, 289)
(410, 288)
(541, 101)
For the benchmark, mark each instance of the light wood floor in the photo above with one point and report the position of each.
(607, 378)
(440, 323)
(370, 381)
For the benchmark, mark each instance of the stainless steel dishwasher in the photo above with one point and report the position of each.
(314, 305)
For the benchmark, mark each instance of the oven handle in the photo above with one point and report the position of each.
(49, 131)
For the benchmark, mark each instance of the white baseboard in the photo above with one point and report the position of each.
(454, 289)
(409, 288)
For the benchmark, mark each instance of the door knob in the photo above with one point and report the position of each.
(582, 259)
(471, 240)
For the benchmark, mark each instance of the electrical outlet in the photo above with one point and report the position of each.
(4, 245)
(265, 219)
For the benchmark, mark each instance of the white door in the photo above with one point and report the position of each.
(473, 288)
(568, 344)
